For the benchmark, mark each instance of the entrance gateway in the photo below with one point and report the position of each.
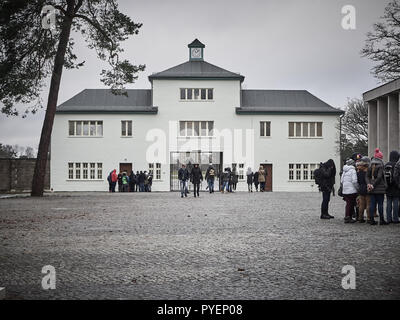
(189, 159)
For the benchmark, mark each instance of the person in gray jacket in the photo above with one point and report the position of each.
(376, 186)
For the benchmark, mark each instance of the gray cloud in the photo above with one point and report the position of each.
(274, 44)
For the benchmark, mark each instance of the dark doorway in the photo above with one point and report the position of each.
(268, 183)
(125, 167)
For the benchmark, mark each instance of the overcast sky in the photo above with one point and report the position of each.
(275, 44)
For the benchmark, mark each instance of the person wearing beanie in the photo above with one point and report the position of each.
(327, 173)
(376, 186)
(392, 189)
(350, 189)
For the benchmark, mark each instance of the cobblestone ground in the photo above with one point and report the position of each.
(219, 246)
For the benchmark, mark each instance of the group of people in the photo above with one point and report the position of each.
(228, 179)
(139, 182)
(364, 183)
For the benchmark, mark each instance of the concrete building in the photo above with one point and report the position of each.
(194, 112)
(383, 118)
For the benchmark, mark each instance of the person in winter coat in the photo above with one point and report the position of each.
(235, 179)
(249, 175)
(376, 186)
(363, 199)
(350, 189)
(183, 177)
(328, 174)
(255, 179)
(196, 177)
(112, 178)
(132, 179)
(392, 189)
(225, 176)
(141, 180)
(120, 182)
(261, 178)
(125, 182)
(210, 177)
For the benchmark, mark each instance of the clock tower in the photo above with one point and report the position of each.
(196, 50)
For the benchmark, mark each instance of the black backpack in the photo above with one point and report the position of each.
(388, 173)
(318, 176)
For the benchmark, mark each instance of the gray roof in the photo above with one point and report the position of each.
(196, 70)
(103, 100)
(283, 101)
(392, 87)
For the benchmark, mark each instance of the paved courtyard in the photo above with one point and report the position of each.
(219, 246)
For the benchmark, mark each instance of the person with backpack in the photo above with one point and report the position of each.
(363, 199)
(350, 189)
(112, 180)
(261, 178)
(376, 186)
(255, 179)
(125, 182)
(109, 181)
(325, 179)
(210, 178)
(183, 177)
(249, 175)
(196, 177)
(392, 189)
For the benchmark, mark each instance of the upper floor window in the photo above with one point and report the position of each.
(196, 128)
(265, 129)
(196, 94)
(305, 129)
(86, 128)
(126, 128)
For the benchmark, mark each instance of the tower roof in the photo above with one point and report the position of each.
(196, 44)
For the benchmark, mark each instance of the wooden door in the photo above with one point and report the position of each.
(125, 167)
(268, 183)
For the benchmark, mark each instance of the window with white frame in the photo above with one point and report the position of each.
(196, 128)
(126, 128)
(265, 128)
(240, 170)
(196, 94)
(155, 170)
(80, 128)
(301, 171)
(305, 129)
(85, 170)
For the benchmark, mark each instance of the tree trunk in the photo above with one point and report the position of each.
(42, 157)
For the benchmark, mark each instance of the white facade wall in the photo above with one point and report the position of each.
(112, 149)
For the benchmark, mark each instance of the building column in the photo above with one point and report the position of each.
(383, 126)
(372, 126)
(393, 123)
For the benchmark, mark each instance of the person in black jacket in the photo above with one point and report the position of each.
(210, 177)
(328, 174)
(255, 179)
(141, 179)
(392, 189)
(183, 177)
(196, 177)
(132, 181)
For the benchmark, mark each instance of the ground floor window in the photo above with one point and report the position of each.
(301, 171)
(85, 170)
(240, 170)
(155, 170)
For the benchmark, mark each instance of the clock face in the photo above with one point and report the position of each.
(195, 52)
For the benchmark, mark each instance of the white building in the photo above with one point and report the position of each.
(194, 112)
